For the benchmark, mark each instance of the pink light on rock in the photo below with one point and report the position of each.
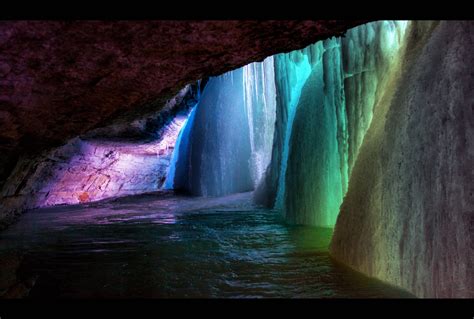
(90, 170)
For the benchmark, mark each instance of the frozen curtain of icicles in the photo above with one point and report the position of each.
(289, 126)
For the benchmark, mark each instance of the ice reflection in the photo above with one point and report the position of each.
(162, 245)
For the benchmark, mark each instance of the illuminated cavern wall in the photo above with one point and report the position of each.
(327, 93)
(321, 98)
(90, 170)
(371, 134)
(386, 117)
(227, 142)
(123, 159)
(408, 215)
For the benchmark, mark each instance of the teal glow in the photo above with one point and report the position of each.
(291, 126)
(295, 70)
(330, 117)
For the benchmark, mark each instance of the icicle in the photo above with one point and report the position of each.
(232, 134)
(169, 182)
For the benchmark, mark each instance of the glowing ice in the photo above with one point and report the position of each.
(170, 177)
(333, 114)
(230, 138)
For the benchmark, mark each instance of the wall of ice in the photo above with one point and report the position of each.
(226, 144)
(377, 140)
(408, 215)
(181, 143)
(289, 127)
(326, 95)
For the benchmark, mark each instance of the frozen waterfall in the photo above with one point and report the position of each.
(289, 127)
(326, 94)
(226, 146)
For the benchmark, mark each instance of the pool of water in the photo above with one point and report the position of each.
(164, 245)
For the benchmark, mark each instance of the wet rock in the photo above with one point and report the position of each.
(117, 160)
(4, 69)
(13, 285)
(9, 264)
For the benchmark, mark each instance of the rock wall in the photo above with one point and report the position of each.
(117, 160)
(14, 284)
(408, 215)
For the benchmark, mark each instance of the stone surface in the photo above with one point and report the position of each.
(60, 79)
(118, 160)
(9, 264)
(13, 284)
(408, 215)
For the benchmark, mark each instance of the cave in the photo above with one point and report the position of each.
(236, 159)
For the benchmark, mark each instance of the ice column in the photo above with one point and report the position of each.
(231, 133)
(333, 114)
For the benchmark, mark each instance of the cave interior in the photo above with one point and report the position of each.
(241, 159)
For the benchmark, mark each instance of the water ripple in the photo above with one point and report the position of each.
(161, 245)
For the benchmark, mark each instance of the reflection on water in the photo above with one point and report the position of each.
(161, 245)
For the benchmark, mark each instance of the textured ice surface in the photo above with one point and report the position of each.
(408, 214)
(181, 142)
(230, 137)
(325, 98)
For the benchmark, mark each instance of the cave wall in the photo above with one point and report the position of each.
(408, 215)
(117, 160)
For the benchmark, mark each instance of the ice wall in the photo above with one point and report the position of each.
(177, 177)
(296, 71)
(291, 72)
(326, 95)
(181, 143)
(228, 141)
(260, 103)
(408, 214)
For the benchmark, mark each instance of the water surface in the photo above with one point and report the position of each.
(163, 245)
